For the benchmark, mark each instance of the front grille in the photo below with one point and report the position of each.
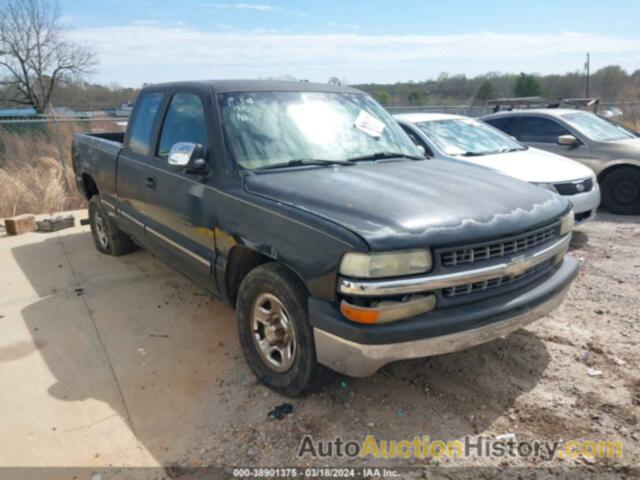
(495, 282)
(574, 188)
(496, 249)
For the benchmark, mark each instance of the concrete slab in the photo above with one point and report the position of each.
(102, 360)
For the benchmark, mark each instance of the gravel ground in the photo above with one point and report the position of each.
(534, 384)
(177, 391)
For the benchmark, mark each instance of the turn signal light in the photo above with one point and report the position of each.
(359, 314)
(387, 311)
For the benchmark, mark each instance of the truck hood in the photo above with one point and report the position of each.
(408, 204)
(534, 165)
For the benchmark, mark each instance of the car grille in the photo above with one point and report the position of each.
(496, 249)
(495, 282)
(574, 188)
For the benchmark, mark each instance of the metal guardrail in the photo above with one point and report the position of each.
(466, 110)
(630, 110)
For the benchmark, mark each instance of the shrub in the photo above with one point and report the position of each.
(33, 179)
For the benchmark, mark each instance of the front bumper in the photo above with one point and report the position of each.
(360, 350)
(587, 202)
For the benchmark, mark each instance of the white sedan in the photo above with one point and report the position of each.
(473, 141)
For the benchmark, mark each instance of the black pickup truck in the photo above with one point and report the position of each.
(309, 209)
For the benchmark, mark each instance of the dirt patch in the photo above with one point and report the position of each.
(534, 383)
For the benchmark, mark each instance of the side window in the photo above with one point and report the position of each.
(506, 124)
(541, 130)
(142, 126)
(184, 122)
(414, 138)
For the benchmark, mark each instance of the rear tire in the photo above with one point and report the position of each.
(621, 191)
(275, 335)
(108, 238)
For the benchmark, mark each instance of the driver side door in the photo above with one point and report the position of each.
(180, 215)
(543, 133)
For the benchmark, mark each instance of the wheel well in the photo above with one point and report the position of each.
(607, 171)
(240, 262)
(89, 186)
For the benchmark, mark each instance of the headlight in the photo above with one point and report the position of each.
(567, 223)
(387, 264)
(547, 186)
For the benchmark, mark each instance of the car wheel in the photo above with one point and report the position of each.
(621, 191)
(108, 238)
(273, 326)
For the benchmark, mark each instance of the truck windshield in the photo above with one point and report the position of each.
(596, 128)
(466, 136)
(265, 129)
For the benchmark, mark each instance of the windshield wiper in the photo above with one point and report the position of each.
(303, 163)
(515, 149)
(382, 156)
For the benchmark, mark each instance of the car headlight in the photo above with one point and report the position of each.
(567, 223)
(547, 186)
(385, 264)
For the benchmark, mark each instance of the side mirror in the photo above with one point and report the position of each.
(568, 140)
(422, 150)
(189, 157)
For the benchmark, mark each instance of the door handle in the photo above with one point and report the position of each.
(151, 183)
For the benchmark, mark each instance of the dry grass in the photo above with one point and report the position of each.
(32, 177)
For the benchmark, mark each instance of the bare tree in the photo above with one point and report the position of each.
(34, 53)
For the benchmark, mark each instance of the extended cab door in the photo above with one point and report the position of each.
(131, 172)
(180, 209)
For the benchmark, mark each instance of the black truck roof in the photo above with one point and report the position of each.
(226, 86)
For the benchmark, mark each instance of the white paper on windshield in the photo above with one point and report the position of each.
(369, 124)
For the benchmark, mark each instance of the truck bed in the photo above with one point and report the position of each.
(96, 154)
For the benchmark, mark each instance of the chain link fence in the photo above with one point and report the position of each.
(626, 112)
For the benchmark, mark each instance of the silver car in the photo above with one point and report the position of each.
(611, 151)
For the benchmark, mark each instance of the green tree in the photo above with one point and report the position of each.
(527, 86)
(383, 97)
(486, 91)
(414, 98)
(609, 83)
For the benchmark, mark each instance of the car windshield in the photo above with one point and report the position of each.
(264, 129)
(595, 127)
(466, 136)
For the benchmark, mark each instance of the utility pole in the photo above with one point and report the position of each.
(587, 66)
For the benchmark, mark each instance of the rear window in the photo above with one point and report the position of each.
(142, 126)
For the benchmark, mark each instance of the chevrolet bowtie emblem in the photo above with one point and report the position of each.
(517, 266)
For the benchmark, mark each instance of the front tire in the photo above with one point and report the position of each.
(273, 326)
(621, 191)
(108, 238)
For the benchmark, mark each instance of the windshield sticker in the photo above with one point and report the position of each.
(470, 121)
(369, 124)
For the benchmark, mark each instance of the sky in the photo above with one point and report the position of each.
(142, 41)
